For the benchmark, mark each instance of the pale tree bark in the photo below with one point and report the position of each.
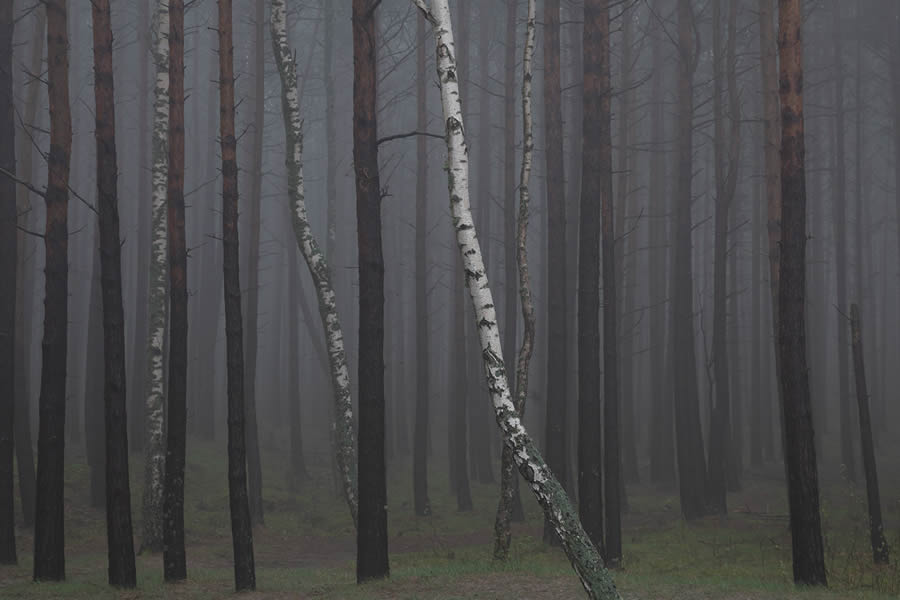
(154, 392)
(315, 259)
(581, 552)
(507, 473)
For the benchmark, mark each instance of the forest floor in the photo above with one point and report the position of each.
(307, 547)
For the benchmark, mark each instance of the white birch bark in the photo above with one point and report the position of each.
(504, 510)
(581, 552)
(315, 258)
(154, 405)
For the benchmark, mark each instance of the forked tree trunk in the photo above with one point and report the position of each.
(880, 551)
(120, 541)
(239, 504)
(174, 561)
(581, 552)
(49, 542)
(799, 447)
(315, 259)
(8, 267)
(507, 474)
(158, 303)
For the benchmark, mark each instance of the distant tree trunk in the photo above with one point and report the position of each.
(298, 463)
(315, 259)
(254, 462)
(880, 551)
(839, 214)
(174, 562)
(799, 450)
(691, 461)
(119, 537)
(459, 446)
(23, 434)
(582, 553)
(557, 320)
(420, 452)
(757, 393)
(593, 187)
(137, 423)
(158, 303)
(598, 182)
(662, 443)
(371, 539)
(509, 220)
(508, 488)
(8, 266)
(241, 526)
(49, 543)
(772, 127)
(93, 385)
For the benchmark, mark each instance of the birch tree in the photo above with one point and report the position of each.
(581, 552)
(154, 413)
(315, 258)
(507, 473)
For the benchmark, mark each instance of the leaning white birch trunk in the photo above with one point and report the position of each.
(507, 469)
(154, 411)
(553, 499)
(315, 259)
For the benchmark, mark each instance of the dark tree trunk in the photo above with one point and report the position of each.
(241, 527)
(8, 265)
(757, 393)
(799, 450)
(420, 451)
(371, 537)
(254, 462)
(662, 442)
(93, 386)
(511, 317)
(689, 448)
(557, 319)
(600, 183)
(119, 537)
(457, 393)
(174, 562)
(49, 541)
(880, 551)
(595, 180)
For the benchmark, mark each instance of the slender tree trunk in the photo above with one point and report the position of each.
(880, 551)
(119, 537)
(509, 221)
(8, 266)
(508, 488)
(49, 542)
(598, 182)
(420, 452)
(662, 443)
(154, 380)
(241, 526)
(23, 434)
(690, 456)
(557, 320)
(595, 171)
(581, 552)
(298, 463)
(799, 450)
(174, 561)
(457, 392)
(757, 392)
(254, 462)
(315, 259)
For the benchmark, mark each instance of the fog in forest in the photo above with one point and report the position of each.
(695, 400)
